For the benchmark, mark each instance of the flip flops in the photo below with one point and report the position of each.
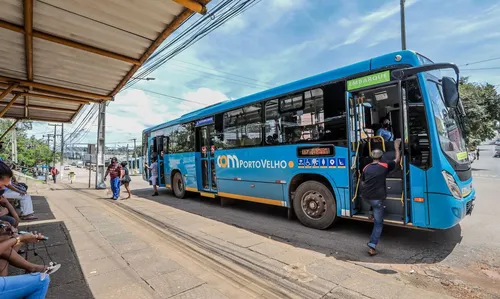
(29, 217)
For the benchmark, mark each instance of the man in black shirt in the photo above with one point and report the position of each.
(373, 190)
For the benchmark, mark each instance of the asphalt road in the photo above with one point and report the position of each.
(469, 251)
(476, 235)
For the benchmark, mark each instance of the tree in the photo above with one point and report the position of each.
(30, 150)
(482, 108)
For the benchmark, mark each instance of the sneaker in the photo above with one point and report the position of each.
(155, 194)
(52, 268)
(372, 251)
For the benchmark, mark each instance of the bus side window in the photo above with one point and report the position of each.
(335, 113)
(243, 126)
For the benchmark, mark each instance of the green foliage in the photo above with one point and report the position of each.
(30, 151)
(482, 107)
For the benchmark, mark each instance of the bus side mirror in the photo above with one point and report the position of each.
(450, 92)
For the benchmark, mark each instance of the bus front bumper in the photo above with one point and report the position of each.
(445, 211)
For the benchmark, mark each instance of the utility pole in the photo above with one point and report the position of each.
(403, 30)
(100, 146)
(14, 145)
(55, 142)
(47, 161)
(127, 154)
(135, 156)
(62, 151)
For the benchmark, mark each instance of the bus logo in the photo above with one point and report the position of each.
(225, 161)
(232, 161)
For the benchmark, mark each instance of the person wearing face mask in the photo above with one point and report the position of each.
(385, 130)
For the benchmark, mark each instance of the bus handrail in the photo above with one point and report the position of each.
(370, 144)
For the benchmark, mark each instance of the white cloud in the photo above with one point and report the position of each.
(286, 4)
(236, 24)
(206, 96)
(365, 24)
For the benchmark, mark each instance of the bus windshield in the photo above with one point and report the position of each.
(447, 124)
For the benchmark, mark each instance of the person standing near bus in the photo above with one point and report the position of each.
(54, 172)
(373, 190)
(154, 174)
(115, 174)
(126, 178)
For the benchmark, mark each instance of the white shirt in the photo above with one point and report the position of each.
(154, 169)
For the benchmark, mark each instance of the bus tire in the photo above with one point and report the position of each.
(315, 205)
(178, 186)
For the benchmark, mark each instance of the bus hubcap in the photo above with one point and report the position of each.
(180, 186)
(313, 204)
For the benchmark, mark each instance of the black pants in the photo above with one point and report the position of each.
(54, 178)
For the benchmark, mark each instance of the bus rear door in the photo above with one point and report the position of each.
(206, 148)
(160, 142)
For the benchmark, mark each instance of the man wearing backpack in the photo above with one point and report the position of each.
(55, 173)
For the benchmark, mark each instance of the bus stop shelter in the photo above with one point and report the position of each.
(58, 55)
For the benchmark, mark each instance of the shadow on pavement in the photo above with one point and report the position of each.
(68, 281)
(346, 240)
(41, 208)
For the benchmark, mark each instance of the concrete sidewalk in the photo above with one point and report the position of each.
(142, 249)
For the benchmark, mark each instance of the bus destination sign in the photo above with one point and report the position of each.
(317, 151)
(205, 121)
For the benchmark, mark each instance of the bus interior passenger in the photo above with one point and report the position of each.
(381, 104)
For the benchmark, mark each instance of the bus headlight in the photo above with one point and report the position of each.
(452, 185)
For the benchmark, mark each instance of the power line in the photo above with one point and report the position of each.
(483, 69)
(219, 15)
(480, 61)
(169, 96)
(223, 72)
(224, 78)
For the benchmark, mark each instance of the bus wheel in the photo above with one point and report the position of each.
(178, 186)
(314, 205)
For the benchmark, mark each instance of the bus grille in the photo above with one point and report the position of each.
(469, 207)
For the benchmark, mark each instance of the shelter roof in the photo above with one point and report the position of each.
(58, 55)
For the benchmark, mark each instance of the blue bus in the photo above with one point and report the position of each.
(302, 146)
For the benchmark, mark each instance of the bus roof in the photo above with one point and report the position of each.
(384, 61)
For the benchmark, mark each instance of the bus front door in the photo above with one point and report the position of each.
(207, 159)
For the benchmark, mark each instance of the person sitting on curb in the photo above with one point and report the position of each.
(13, 191)
(32, 285)
(7, 212)
(13, 258)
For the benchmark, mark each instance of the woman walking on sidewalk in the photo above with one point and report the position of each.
(115, 174)
(126, 178)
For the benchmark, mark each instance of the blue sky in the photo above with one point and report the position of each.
(278, 41)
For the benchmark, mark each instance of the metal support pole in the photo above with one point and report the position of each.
(54, 150)
(47, 162)
(127, 154)
(14, 145)
(403, 29)
(62, 151)
(100, 148)
(135, 157)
